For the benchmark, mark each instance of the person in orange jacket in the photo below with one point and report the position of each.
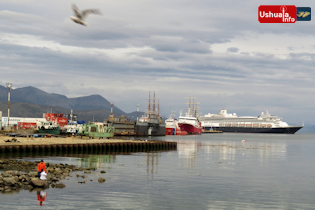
(41, 166)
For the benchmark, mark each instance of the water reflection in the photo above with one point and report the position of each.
(223, 150)
(41, 196)
(152, 160)
(95, 161)
(206, 172)
(227, 151)
(188, 149)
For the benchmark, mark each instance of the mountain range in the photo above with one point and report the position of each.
(33, 102)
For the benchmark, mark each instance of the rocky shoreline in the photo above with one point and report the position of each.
(20, 174)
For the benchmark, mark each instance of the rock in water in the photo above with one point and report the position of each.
(39, 183)
(60, 185)
(101, 180)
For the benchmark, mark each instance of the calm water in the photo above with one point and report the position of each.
(211, 171)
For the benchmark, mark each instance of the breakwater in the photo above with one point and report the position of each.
(86, 148)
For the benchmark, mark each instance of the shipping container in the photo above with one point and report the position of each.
(61, 120)
(52, 116)
(26, 125)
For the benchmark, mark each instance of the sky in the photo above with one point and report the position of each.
(215, 51)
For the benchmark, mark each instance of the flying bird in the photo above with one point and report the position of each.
(80, 16)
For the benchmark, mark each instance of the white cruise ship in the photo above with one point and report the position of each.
(264, 123)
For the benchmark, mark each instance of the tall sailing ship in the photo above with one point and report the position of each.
(151, 123)
(264, 123)
(189, 122)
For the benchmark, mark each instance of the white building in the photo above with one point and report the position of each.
(16, 120)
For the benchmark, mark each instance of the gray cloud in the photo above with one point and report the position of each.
(232, 49)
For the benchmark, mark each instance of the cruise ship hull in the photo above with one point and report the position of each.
(149, 129)
(284, 130)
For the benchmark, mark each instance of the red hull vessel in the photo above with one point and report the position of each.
(172, 128)
(190, 129)
(180, 132)
(189, 122)
(170, 131)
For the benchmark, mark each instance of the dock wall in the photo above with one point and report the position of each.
(89, 148)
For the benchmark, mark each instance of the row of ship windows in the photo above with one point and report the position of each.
(244, 125)
(238, 121)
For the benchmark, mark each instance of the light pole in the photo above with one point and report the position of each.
(9, 85)
(111, 108)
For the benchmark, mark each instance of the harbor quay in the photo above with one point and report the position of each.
(19, 174)
(76, 145)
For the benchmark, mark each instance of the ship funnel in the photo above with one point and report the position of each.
(223, 112)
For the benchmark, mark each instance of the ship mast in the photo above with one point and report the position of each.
(153, 110)
(189, 110)
(196, 109)
(138, 112)
(158, 109)
(192, 107)
(149, 106)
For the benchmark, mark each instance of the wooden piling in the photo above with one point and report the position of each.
(3, 149)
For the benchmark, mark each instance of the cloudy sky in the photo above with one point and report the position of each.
(216, 51)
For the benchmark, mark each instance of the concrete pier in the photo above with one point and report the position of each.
(60, 146)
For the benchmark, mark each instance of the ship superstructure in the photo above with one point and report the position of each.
(264, 123)
(123, 126)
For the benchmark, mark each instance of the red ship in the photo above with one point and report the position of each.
(190, 125)
(189, 122)
(175, 131)
(172, 128)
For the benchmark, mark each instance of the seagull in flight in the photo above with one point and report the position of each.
(80, 16)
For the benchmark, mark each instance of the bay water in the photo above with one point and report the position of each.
(208, 171)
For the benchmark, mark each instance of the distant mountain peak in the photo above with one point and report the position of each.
(34, 95)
